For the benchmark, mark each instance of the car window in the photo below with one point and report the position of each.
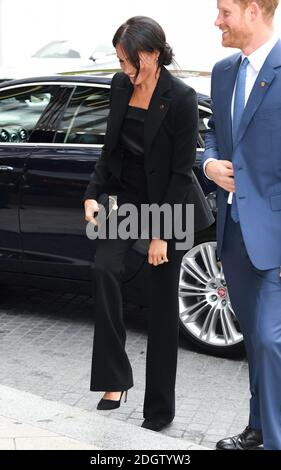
(21, 109)
(84, 119)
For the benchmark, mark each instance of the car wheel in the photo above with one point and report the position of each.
(207, 318)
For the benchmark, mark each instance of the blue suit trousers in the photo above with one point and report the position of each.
(256, 298)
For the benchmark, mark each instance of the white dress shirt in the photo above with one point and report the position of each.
(256, 61)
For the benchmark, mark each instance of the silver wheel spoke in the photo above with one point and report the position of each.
(193, 269)
(228, 327)
(230, 308)
(192, 313)
(190, 290)
(208, 328)
(209, 257)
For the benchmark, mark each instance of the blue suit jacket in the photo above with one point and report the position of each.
(256, 156)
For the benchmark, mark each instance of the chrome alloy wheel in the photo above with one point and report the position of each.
(205, 310)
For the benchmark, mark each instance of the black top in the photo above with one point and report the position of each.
(133, 179)
(170, 137)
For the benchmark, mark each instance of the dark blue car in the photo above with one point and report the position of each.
(51, 134)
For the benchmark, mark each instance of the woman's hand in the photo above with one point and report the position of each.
(91, 206)
(157, 252)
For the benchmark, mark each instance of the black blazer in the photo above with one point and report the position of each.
(170, 140)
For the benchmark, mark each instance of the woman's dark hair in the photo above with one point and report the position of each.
(143, 34)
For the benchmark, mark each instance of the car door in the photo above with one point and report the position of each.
(55, 178)
(17, 117)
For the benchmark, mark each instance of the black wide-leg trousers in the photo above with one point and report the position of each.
(111, 368)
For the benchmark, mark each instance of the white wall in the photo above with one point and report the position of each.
(26, 25)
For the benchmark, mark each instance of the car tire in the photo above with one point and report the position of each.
(207, 319)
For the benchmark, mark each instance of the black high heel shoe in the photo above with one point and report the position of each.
(104, 404)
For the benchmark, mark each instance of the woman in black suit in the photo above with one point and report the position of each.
(149, 151)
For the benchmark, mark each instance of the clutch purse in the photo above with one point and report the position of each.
(107, 204)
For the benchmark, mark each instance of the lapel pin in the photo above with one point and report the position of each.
(263, 84)
(162, 106)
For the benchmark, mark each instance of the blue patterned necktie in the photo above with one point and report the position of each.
(238, 108)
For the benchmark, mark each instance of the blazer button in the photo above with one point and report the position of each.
(152, 172)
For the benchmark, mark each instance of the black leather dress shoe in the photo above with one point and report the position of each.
(249, 439)
(154, 425)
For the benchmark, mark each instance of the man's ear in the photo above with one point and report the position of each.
(255, 11)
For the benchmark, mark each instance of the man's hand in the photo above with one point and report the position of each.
(157, 252)
(91, 206)
(221, 172)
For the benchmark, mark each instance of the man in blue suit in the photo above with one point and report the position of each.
(243, 157)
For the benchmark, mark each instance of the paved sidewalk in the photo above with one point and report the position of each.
(15, 435)
(46, 347)
(29, 422)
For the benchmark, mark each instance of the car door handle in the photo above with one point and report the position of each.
(6, 168)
